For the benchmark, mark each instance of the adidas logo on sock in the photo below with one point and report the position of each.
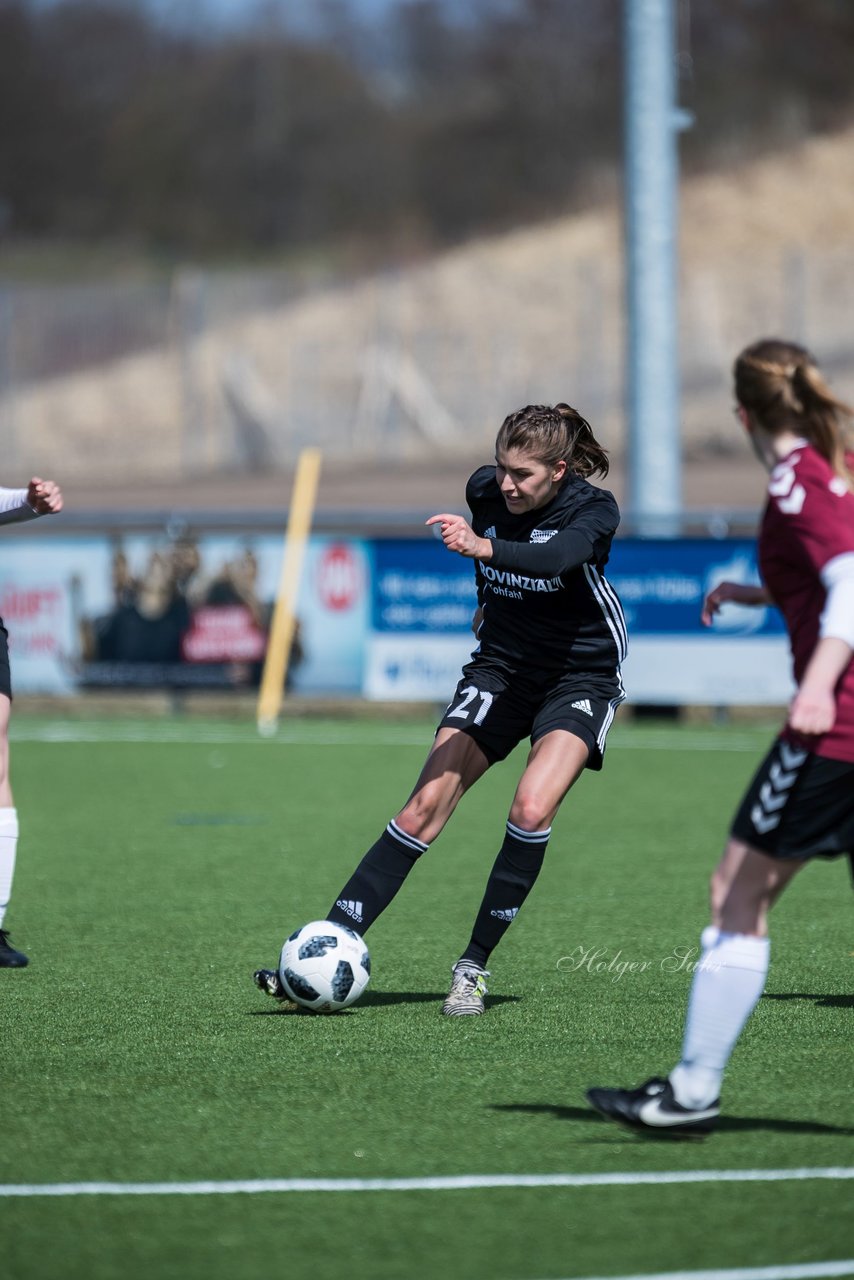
(507, 914)
(350, 908)
(583, 704)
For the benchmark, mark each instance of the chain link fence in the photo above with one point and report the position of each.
(222, 373)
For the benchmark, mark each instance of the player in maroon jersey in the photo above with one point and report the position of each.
(800, 804)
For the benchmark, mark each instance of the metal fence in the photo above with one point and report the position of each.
(207, 373)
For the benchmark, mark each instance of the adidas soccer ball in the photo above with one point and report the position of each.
(324, 966)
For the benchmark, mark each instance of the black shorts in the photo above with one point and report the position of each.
(500, 707)
(5, 674)
(798, 805)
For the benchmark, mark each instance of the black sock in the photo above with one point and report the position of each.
(510, 881)
(377, 878)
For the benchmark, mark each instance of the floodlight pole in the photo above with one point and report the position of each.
(652, 122)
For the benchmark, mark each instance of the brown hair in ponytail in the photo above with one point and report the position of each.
(551, 434)
(780, 384)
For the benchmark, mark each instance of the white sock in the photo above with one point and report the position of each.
(727, 985)
(8, 848)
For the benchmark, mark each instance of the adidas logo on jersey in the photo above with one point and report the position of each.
(352, 909)
(583, 704)
(507, 914)
(542, 535)
(490, 532)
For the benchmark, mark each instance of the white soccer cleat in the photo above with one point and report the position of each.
(468, 988)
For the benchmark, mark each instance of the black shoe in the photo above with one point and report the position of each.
(268, 981)
(9, 957)
(653, 1108)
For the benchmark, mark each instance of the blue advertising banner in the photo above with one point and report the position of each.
(662, 584)
(387, 619)
(423, 599)
(421, 587)
(423, 602)
(742, 659)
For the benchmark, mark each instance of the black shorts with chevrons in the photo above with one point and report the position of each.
(798, 805)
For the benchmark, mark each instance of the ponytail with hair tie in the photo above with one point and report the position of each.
(780, 384)
(553, 434)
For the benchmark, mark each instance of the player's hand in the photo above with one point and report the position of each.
(721, 594)
(737, 592)
(44, 496)
(812, 713)
(458, 535)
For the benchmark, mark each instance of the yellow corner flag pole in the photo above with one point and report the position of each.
(283, 623)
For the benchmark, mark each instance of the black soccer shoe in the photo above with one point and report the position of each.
(268, 981)
(9, 957)
(653, 1108)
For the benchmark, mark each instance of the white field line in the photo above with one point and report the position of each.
(297, 735)
(799, 1271)
(166, 734)
(461, 1182)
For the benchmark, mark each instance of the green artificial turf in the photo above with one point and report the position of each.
(160, 864)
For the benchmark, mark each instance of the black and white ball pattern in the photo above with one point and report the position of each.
(324, 966)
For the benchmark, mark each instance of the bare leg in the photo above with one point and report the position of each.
(554, 763)
(8, 837)
(745, 885)
(6, 800)
(454, 763)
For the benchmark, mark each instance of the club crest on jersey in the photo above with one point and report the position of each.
(542, 535)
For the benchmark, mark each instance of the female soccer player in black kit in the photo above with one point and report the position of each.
(551, 638)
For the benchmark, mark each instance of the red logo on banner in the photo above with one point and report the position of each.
(33, 617)
(27, 605)
(223, 633)
(339, 578)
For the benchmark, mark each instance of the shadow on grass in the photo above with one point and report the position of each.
(422, 997)
(823, 1001)
(726, 1124)
(277, 1011)
(379, 998)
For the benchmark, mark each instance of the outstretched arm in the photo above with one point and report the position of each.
(735, 593)
(566, 550)
(40, 498)
(44, 496)
(458, 535)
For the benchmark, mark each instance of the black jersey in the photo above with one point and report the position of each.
(546, 602)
